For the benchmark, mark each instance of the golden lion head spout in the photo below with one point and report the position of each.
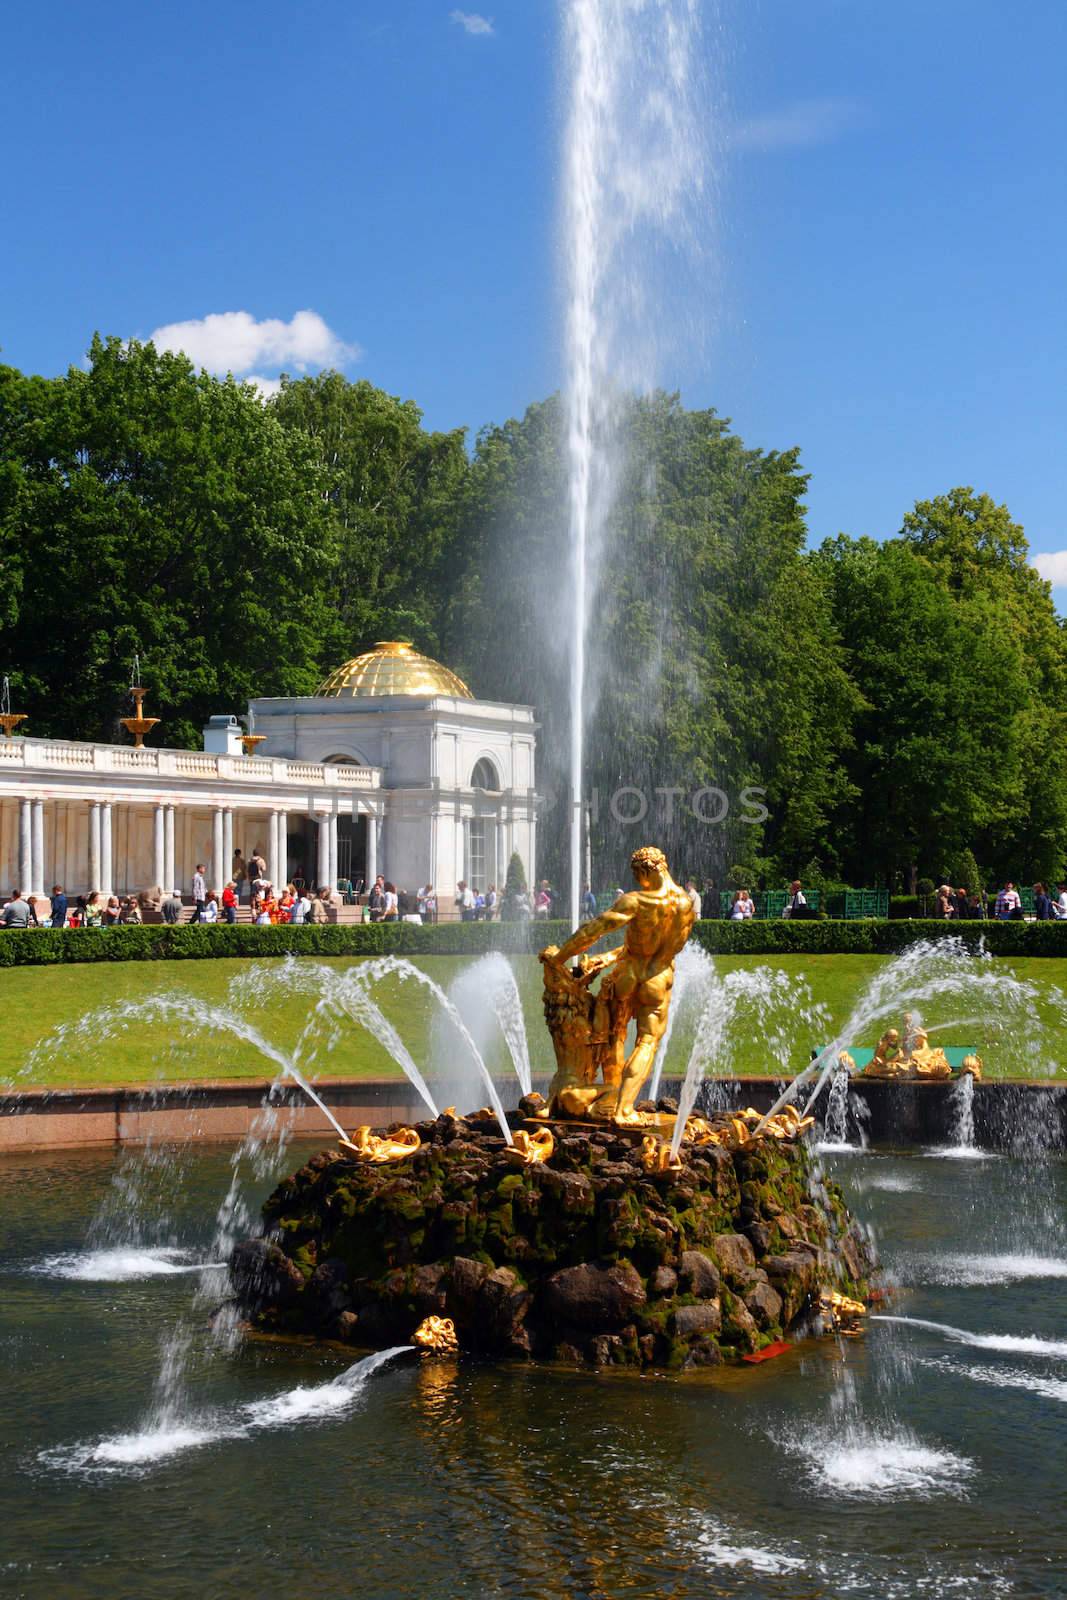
(436, 1336)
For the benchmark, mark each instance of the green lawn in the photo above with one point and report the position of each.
(40, 1047)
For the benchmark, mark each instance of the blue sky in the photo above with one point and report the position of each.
(886, 281)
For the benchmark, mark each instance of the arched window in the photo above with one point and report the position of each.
(485, 776)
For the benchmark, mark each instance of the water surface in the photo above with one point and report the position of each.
(927, 1458)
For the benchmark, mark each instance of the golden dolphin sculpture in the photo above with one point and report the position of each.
(370, 1146)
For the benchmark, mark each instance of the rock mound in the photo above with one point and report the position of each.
(587, 1257)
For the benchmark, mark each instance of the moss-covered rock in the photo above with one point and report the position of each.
(587, 1257)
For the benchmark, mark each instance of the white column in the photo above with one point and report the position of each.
(331, 842)
(170, 881)
(106, 841)
(218, 871)
(94, 847)
(159, 861)
(322, 854)
(25, 846)
(278, 849)
(37, 846)
(227, 848)
(372, 849)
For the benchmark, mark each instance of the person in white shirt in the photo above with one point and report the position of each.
(694, 898)
(1008, 904)
(1059, 905)
(211, 907)
(199, 893)
(796, 899)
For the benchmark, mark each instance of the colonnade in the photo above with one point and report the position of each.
(165, 866)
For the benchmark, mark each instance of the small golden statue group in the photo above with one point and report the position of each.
(912, 1056)
(732, 1132)
(843, 1314)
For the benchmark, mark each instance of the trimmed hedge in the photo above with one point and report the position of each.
(203, 941)
(878, 938)
(198, 941)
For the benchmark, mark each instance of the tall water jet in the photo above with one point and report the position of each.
(632, 165)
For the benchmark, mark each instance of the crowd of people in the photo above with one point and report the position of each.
(1008, 906)
(385, 902)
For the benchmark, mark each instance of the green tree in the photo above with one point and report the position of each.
(394, 493)
(164, 512)
(514, 886)
(712, 661)
(954, 646)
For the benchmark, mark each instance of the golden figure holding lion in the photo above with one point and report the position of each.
(589, 1031)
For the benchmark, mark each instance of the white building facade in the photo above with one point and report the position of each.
(456, 775)
(391, 767)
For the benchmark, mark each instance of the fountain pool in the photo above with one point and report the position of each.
(925, 1458)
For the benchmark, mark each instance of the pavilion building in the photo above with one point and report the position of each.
(390, 767)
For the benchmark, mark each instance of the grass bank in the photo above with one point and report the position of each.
(40, 1047)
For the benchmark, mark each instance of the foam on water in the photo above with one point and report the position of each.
(868, 1463)
(892, 1182)
(132, 1450)
(964, 1271)
(958, 1152)
(121, 1265)
(138, 1449)
(172, 1436)
(322, 1399)
(1012, 1343)
(711, 1543)
(1043, 1388)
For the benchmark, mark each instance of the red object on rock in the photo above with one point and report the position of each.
(778, 1348)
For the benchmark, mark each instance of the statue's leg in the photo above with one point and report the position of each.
(652, 1005)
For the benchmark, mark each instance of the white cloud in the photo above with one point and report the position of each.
(797, 126)
(233, 341)
(472, 22)
(1052, 565)
(268, 387)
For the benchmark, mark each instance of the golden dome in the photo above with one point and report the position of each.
(392, 667)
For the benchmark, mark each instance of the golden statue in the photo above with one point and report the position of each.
(889, 1060)
(369, 1146)
(589, 1031)
(532, 1148)
(916, 1057)
(925, 1061)
(436, 1336)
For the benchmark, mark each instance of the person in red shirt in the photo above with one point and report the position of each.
(229, 902)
